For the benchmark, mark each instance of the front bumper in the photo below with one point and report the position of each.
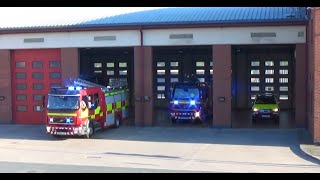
(269, 115)
(66, 130)
(185, 115)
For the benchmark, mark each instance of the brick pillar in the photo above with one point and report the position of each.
(69, 64)
(301, 86)
(221, 55)
(148, 84)
(5, 87)
(138, 86)
(316, 80)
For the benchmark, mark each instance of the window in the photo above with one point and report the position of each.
(37, 86)
(21, 108)
(199, 64)
(161, 80)
(97, 71)
(201, 79)
(122, 64)
(37, 97)
(20, 75)
(255, 88)
(54, 75)
(110, 72)
(284, 63)
(269, 63)
(55, 85)
(161, 72)
(37, 109)
(161, 64)
(21, 86)
(255, 63)
(174, 64)
(37, 75)
(255, 71)
(255, 80)
(161, 88)
(21, 97)
(284, 97)
(54, 64)
(123, 72)
(20, 64)
(160, 96)
(269, 88)
(37, 64)
(211, 63)
(269, 80)
(110, 65)
(211, 71)
(97, 65)
(269, 71)
(174, 72)
(283, 71)
(283, 80)
(174, 80)
(200, 71)
(283, 88)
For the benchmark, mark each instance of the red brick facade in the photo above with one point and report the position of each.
(314, 73)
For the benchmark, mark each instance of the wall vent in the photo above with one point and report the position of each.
(33, 40)
(104, 38)
(300, 34)
(264, 34)
(181, 36)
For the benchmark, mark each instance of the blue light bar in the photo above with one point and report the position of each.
(68, 120)
(175, 102)
(71, 88)
(78, 88)
(192, 102)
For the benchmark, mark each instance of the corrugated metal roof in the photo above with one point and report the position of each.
(204, 15)
(193, 15)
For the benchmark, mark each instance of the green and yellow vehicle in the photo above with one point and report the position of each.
(265, 106)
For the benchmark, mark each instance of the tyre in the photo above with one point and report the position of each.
(90, 131)
(277, 120)
(254, 120)
(173, 120)
(116, 122)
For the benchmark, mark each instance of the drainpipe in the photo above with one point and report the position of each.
(142, 72)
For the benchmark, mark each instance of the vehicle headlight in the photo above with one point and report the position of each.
(175, 102)
(51, 120)
(255, 109)
(275, 110)
(192, 102)
(197, 114)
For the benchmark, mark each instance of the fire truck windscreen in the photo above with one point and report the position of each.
(63, 102)
(186, 93)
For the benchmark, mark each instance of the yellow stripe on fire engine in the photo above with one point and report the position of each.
(62, 114)
(127, 103)
(109, 107)
(118, 105)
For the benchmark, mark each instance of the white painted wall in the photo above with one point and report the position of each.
(70, 39)
(157, 37)
(225, 35)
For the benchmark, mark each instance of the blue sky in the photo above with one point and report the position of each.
(30, 16)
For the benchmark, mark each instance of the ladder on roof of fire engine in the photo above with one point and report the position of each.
(81, 82)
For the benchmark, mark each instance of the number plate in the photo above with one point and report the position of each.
(265, 116)
(184, 117)
(61, 133)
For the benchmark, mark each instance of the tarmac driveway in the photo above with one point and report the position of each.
(172, 148)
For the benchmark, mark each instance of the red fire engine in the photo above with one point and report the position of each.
(86, 107)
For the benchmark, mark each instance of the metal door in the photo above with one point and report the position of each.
(33, 73)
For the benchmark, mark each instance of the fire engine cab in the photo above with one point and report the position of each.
(86, 107)
(190, 100)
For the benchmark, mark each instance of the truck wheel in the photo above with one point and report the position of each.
(116, 122)
(254, 120)
(276, 121)
(90, 131)
(173, 120)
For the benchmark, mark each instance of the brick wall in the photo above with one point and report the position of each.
(316, 73)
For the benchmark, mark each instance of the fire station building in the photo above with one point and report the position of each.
(247, 51)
